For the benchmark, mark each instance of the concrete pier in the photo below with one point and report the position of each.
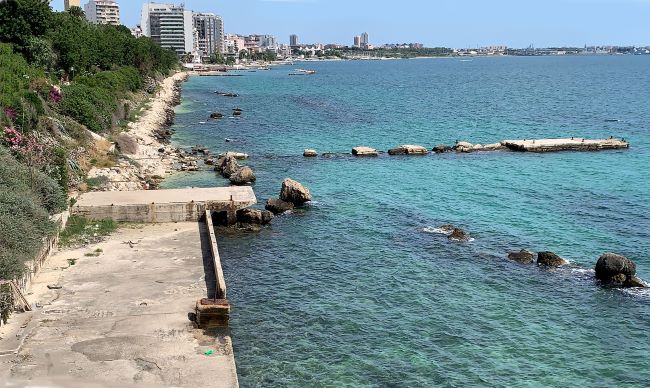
(155, 206)
(572, 144)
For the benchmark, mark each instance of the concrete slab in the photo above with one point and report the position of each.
(175, 205)
(572, 144)
(121, 317)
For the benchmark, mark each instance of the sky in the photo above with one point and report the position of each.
(448, 23)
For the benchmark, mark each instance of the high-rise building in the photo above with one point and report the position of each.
(293, 40)
(71, 3)
(209, 33)
(102, 12)
(357, 41)
(364, 39)
(169, 25)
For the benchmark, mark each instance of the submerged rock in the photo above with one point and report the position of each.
(278, 206)
(309, 153)
(618, 271)
(523, 257)
(441, 148)
(459, 235)
(294, 192)
(243, 176)
(550, 259)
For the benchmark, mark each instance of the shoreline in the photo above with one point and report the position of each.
(147, 166)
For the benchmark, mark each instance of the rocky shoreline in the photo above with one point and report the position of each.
(146, 157)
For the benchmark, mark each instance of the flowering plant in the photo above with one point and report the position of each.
(55, 95)
(11, 113)
(13, 138)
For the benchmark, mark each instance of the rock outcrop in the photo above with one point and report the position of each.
(459, 235)
(441, 148)
(550, 259)
(364, 151)
(227, 166)
(310, 153)
(294, 192)
(617, 271)
(243, 176)
(236, 155)
(278, 206)
(254, 216)
(523, 257)
(408, 149)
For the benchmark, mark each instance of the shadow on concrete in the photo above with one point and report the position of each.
(208, 264)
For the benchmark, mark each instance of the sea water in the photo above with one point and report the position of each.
(357, 289)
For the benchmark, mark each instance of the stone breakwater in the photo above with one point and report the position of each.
(525, 145)
(149, 158)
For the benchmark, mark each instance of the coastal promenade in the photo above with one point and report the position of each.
(119, 315)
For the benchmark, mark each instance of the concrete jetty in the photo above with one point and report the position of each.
(155, 206)
(572, 144)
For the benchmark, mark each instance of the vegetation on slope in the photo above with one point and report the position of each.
(60, 76)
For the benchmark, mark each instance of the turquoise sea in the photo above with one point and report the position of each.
(356, 289)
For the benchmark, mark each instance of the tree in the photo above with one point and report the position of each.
(217, 58)
(77, 12)
(22, 19)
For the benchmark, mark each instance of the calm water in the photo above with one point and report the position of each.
(353, 290)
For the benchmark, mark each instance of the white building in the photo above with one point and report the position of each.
(102, 12)
(169, 25)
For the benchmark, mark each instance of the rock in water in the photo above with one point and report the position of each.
(227, 166)
(278, 206)
(294, 192)
(550, 259)
(441, 148)
(523, 257)
(216, 115)
(616, 270)
(459, 235)
(447, 228)
(408, 149)
(254, 216)
(364, 151)
(243, 176)
(309, 153)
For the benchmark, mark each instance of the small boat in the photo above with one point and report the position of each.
(306, 71)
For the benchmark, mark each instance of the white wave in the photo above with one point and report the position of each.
(430, 229)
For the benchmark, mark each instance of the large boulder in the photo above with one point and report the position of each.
(254, 216)
(464, 146)
(278, 206)
(216, 115)
(523, 257)
(310, 153)
(294, 192)
(227, 166)
(459, 235)
(243, 176)
(616, 270)
(550, 259)
(408, 149)
(364, 151)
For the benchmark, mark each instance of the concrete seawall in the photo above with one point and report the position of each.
(178, 205)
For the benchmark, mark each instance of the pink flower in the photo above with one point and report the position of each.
(11, 113)
(55, 95)
(13, 137)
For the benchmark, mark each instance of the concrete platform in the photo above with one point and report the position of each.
(121, 318)
(175, 205)
(572, 144)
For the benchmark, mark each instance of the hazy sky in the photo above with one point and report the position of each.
(450, 23)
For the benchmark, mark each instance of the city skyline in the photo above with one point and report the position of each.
(465, 23)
